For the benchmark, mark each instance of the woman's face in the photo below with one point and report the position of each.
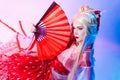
(79, 30)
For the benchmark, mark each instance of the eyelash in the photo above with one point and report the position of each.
(80, 28)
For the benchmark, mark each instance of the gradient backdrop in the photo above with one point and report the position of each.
(107, 45)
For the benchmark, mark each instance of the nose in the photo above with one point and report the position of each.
(75, 31)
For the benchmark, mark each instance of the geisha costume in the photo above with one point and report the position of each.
(85, 68)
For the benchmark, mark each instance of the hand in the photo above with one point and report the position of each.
(32, 28)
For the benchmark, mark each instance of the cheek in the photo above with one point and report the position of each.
(82, 34)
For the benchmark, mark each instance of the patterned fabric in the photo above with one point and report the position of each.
(3, 68)
(85, 68)
(59, 72)
(17, 66)
(25, 68)
(85, 73)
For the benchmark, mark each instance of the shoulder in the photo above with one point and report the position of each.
(67, 51)
(65, 55)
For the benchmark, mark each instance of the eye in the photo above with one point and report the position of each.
(80, 28)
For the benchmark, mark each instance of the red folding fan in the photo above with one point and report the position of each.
(52, 32)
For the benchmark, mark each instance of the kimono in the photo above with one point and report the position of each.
(85, 67)
(85, 70)
(19, 64)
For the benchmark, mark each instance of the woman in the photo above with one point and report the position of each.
(77, 61)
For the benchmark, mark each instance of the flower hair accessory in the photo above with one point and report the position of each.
(85, 8)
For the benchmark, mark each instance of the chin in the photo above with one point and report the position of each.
(79, 41)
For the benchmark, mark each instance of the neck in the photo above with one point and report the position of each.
(78, 43)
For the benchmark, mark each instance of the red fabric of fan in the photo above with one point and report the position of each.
(53, 32)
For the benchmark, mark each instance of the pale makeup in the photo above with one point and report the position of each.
(79, 30)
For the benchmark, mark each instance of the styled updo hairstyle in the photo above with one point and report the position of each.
(88, 18)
